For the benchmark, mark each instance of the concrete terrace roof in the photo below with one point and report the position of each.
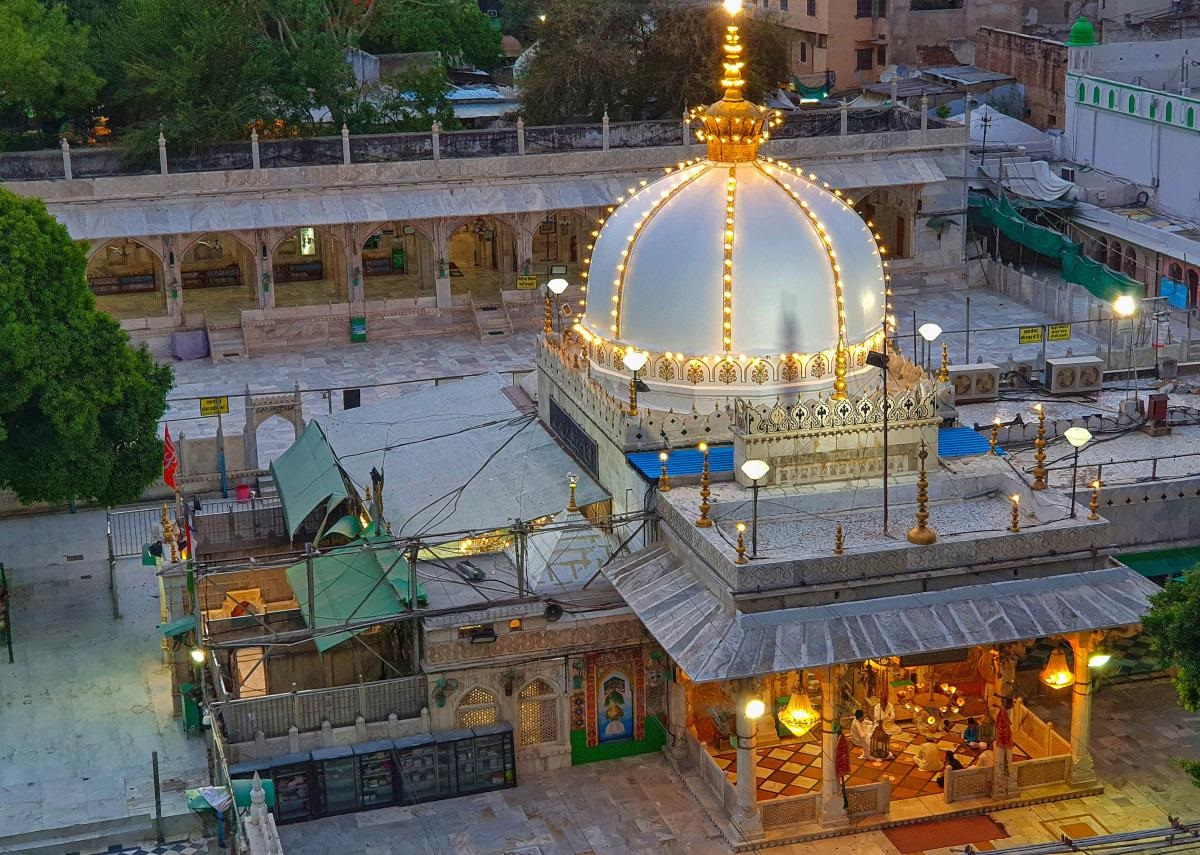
(711, 642)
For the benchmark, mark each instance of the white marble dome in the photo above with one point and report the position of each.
(656, 278)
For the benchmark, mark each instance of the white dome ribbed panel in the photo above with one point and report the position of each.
(784, 297)
(606, 251)
(671, 299)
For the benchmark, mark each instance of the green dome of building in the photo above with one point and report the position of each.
(1083, 34)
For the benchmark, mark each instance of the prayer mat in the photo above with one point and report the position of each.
(940, 834)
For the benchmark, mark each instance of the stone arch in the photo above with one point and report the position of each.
(1096, 95)
(1169, 112)
(397, 259)
(892, 215)
(477, 707)
(538, 713)
(1153, 108)
(308, 267)
(1193, 285)
(217, 272)
(1080, 94)
(1175, 272)
(1112, 99)
(1191, 117)
(1133, 103)
(260, 408)
(127, 277)
(1130, 262)
(482, 256)
(1100, 249)
(1116, 255)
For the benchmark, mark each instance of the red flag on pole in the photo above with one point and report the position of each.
(170, 461)
(1004, 737)
(842, 764)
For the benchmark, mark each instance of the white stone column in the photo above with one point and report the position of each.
(66, 157)
(524, 225)
(345, 145)
(173, 277)
(442, 229)
(264, 279)
(1082, 771)
(833, 812)
(162, 154)
(747, 821)
(255, 161)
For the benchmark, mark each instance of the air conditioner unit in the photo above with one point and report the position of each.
(1067, 173)
(975, 383)
(1074, 375)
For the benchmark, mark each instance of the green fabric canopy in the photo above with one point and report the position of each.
(1101, 281)
(353, 584)
(307, 476)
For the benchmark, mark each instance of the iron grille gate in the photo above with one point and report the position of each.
(128, 533)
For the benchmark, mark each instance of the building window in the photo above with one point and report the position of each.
(1191, 117)
(477, 708)
(881, 55)
(539, 713)
(822, 41)
(1112, 100)
(812, 8)
(1175, 273)
(863, 56)
(1153, 108)
(783, 5)
(1096, 95)
(863, 10)
(804, 51)
(1133, 103)
(1169, 112)
(1081, 95)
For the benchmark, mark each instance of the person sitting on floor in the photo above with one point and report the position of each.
(860, 733)
(971, 731)
(885, 714)
(928, 758)
(986, 758)
(952, 762)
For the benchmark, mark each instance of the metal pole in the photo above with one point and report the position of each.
(221, 456)
(916, 355)
(885, 443)
(112, 570)
(754, 531)
(158, 817)
(312, 592)
(519, 552)
(967, 360)
(1074, 481)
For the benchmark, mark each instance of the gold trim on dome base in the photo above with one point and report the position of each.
(723, 370)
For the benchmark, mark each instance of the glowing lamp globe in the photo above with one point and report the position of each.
(755, 709)
(1057, 674)
(557, 285)
(799, 716)
(755, 469)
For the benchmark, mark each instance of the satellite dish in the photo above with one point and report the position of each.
(553, 612)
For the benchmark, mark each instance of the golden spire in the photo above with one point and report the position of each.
(571, 506)
(733, 127)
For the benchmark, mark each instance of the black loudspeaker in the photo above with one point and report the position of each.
(351, 399)
(553, 612)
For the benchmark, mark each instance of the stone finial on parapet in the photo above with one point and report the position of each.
(258, 801)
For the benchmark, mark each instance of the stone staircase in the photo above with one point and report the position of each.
(491, 320)
(226, 342)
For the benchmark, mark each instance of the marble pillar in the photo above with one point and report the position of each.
(442, 229)
(1082, 771)
(264, 280)
(747, 821)
(833, 812)
(173, 277)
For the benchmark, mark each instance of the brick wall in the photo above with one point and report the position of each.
(1038, 64)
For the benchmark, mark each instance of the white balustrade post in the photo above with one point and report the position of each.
(66, 156)
(162, 154)
(844, 116)
(687, 129)
(254, 156)
(604, 131)
(435, 133)
(925, 111)
(520, 135)
(345, 145)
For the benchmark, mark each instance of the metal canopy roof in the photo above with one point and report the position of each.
(712, 642)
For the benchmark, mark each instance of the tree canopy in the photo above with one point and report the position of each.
(639, 59)
(80, 409)
(1173, 625)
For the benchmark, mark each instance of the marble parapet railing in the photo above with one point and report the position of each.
(970, 783)
(790, 810)
(1042, 772)
(712, 774)
(568, 370)
(822, 414)
(867, 799)
(1035, 737)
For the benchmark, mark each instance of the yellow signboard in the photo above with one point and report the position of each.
(214, 406)
(1058, 332)
(1029, 335)
(527, 283)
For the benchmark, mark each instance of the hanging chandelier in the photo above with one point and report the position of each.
(1057, 674)
(799, 716)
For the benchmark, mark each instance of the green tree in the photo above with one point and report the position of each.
(45, 78)
(520, 17)
(409, 102)
(456, 28)
(80, 410)
(1173, 625)
(640, 59)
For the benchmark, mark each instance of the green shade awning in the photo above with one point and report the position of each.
(179, 626)
(348, 527)
(353, 584)
(307, 476)
(1102, 281)
(1162, 562)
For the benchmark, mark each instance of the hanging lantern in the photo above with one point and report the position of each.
(799, 716)
(1057, 674)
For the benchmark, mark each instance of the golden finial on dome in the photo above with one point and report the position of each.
(733, 127)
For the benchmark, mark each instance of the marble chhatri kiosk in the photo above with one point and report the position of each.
(737, 302)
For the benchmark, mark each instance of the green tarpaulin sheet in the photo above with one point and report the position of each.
(179, 626)
(307, 477)
(1101, 281)
(352, 584)
(816, 93)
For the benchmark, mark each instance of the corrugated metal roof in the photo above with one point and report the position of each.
(962, 442)
(712, 642)
(683, 461)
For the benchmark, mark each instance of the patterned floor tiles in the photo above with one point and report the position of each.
(184, 848)
(794, 768)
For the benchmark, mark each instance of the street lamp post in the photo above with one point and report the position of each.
(556, 287)
(1078, 437)
(1126, 307)
(929, 332)
(879, 359)
(635, 361)
(755, 470)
